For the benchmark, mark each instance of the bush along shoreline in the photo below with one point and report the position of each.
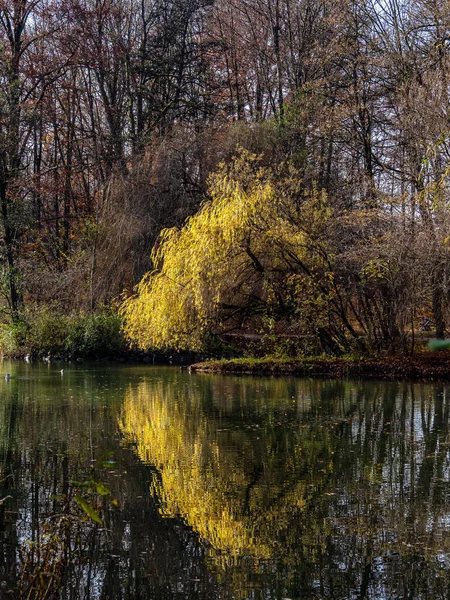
(48, 333)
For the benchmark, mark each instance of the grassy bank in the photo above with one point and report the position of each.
(422, 365)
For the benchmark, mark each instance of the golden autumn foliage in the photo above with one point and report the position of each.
(244, 254)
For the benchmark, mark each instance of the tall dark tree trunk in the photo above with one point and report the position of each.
(10, 251)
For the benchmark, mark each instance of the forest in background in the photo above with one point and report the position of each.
(299, 148)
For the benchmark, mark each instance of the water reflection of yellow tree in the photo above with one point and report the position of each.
(239, 488)
(245, 495)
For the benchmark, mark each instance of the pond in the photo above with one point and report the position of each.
(133, 482)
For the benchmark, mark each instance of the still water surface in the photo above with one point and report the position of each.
(211, 487)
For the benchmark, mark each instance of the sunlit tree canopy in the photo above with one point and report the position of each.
(241, 256)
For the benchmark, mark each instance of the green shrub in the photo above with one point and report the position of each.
(45, 330)
(13, 338)
(95, 335)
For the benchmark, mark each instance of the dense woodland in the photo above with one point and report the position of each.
(277, 167)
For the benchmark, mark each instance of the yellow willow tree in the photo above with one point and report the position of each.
(258, 243)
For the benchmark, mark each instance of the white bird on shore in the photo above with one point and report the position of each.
(7, 377)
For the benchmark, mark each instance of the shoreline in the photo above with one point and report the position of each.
(424, 365)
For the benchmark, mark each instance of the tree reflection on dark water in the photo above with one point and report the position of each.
(221, 487)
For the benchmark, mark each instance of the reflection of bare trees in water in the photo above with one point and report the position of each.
(390, 512)
(8, 511)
